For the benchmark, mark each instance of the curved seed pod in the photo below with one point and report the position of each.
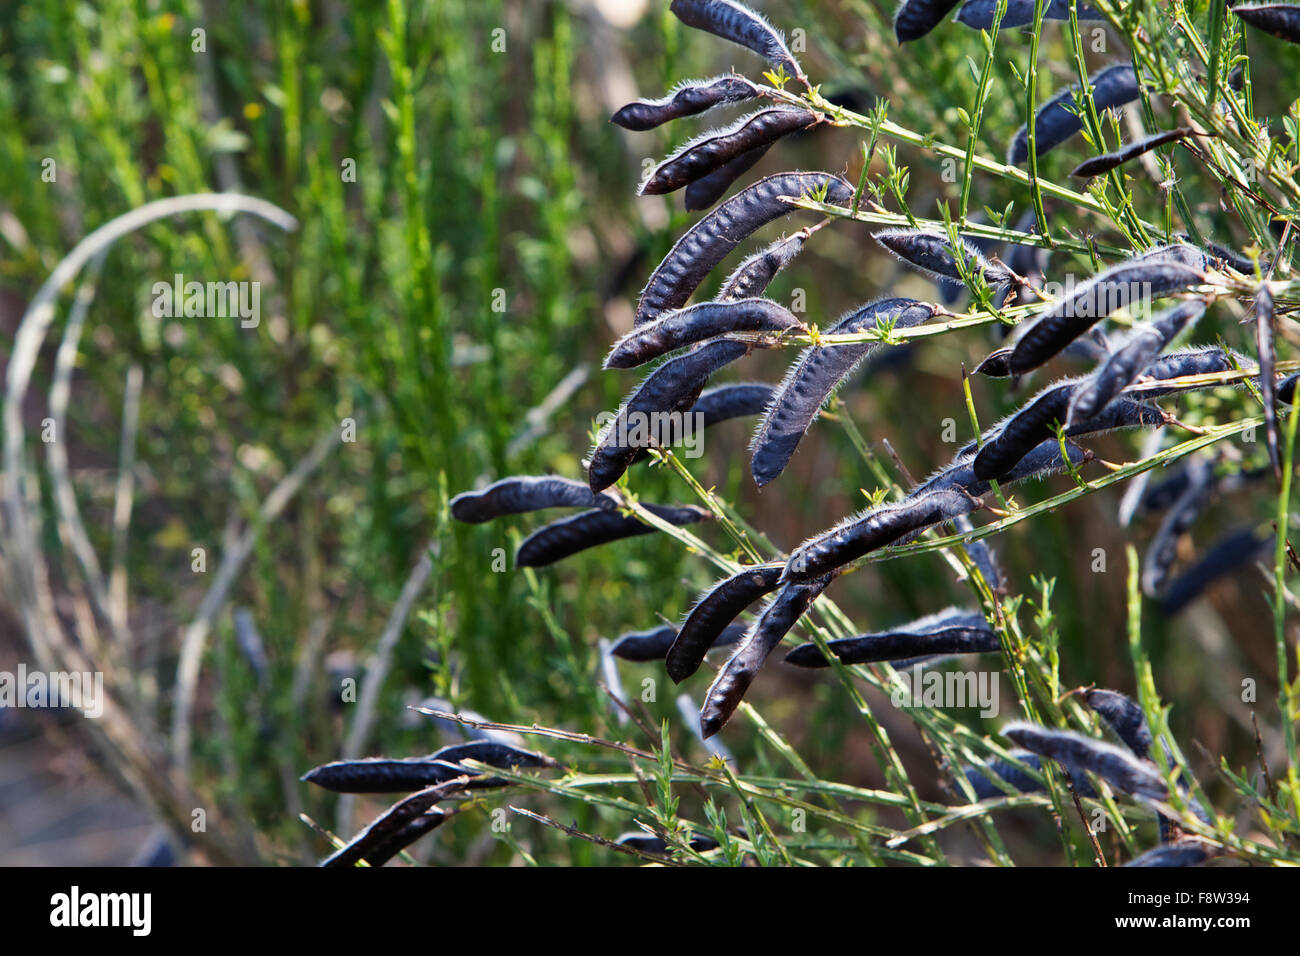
(390, 823)
(815, 377)
(380, 775)
(706, 622)
(996, 364)
(1286, 389)
(978, 14)
(1184, 363)
(1282, 20)
(1093, 300)
(1054, 122)
(736, 22)
(948, 632)
(1233, 551)
(915, 18)
(1123, 716)
(1182, 853)
(709, 151)
(695, 323)
(1117, 767)
(1181, 252)
(494, 754)
(653, 645)
(863, 533)
(672, 387)
(686, 99)
(781, 614)
(932, 253)
(560, 539)
(1264, 349)
(1021, 781)
(733, 401)
(711, 239)
(1043, 460)
(638, 840)
(1130, 359)
(1105, 163)
(389, 847)
(711, 187)
(524, 493)
(1230, 257)
(1184, 512)
(720, 404)
(755, 273)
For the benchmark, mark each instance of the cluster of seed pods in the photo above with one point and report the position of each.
(693, 342)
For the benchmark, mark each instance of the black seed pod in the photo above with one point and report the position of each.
(781, 614)
(932, 253)
(978, 14)
(711, 187)
(713, 612)
(915, 18)
(524, 493)
(1119, 768)
(1055, 122)
(1105, 163)
(560, 539)
(1232, 552)
(710, 151)
(948, 632)
(711, 239)
(736, 22)
(1182, 853)
(1124, 717)
(653, 645)
(815, 377)
(755, 274)
(1093, 300)
(695, 323)
(1282, 20)
(687, 99)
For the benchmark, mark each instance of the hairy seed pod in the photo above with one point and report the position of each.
(711, 187)
(915, 18)
(1282, 20)
(639, 840)
(1022, 782)
(1184, 512)
(1105, 163)
(653, 645)
(1235, 550)
(736, 22)
(1185, 363)
(1265, 350)
(1093, 300)
(381, 775)
(686, 99)
(524, 493)
(721, 605)
(978, 14)
(733, 401)
(1130, 359)
(560, 539)
(711, 239)
(932, 253)
(1055, 121)
(695, 323)
(866, 532)
(1117, 767)
(814, 378)
(996, 364)
(755, 273)
(728, 688)
(1182, 853)
(1123, 716)
(720, 404)
(1180, 252)
(948, 632)
(392, 822)
(709, 151)
(494, 754)
(1286, 389)
(1216, 252)
(386, 849)
(1043, 460)
(674, 386)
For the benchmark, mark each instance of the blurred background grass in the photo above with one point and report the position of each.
(488, 248)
